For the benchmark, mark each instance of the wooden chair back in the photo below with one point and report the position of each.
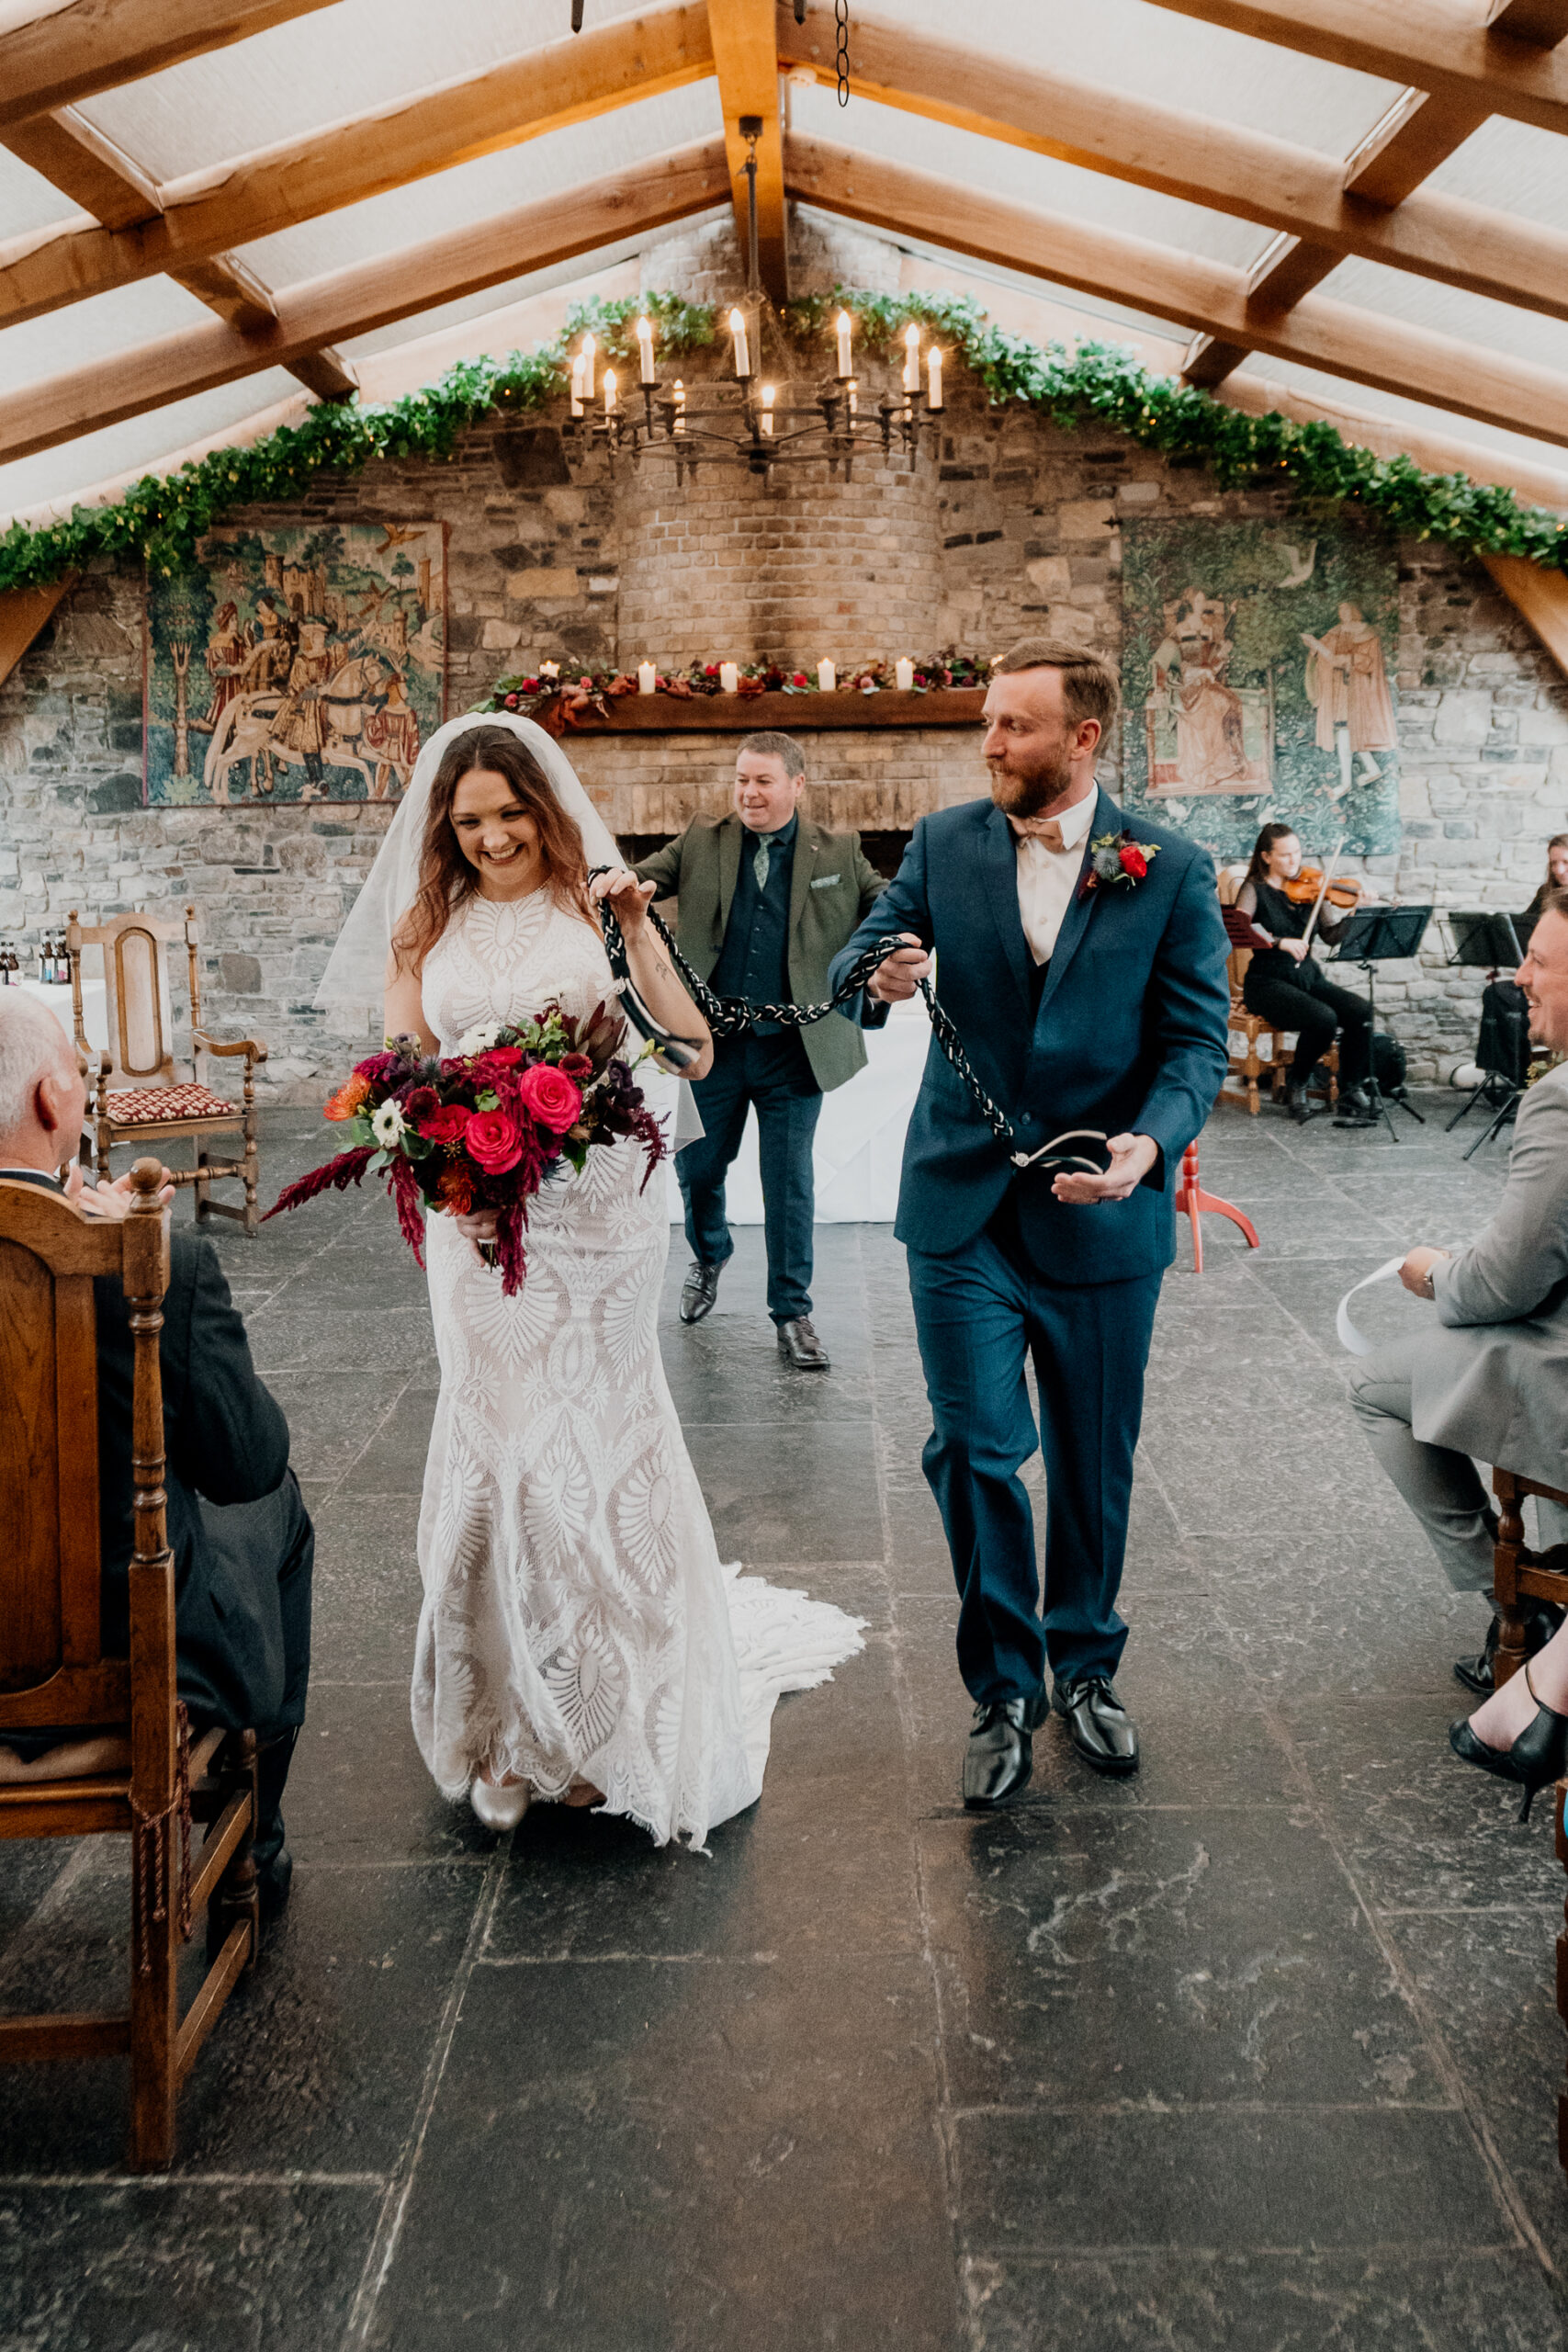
(136, 988)
(52, 1670)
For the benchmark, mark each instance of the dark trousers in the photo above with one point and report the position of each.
(978, 1314)
(243, 1654)
(774, 1073)
(1314, 1007)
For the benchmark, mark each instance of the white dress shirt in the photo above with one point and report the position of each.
(1050, 853)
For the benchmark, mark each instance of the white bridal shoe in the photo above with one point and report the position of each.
(500, 1808)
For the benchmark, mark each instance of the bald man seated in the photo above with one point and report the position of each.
(242, 1538)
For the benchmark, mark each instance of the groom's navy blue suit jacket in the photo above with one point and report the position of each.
(1130, 1036)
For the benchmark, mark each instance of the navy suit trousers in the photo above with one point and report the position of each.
(774, 1073)
(978, 1314)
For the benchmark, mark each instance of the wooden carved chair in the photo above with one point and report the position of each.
(125, 1763)
(1250, 1065)
(155, 1105)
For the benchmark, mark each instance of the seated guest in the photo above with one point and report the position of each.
(1492, 1380)
(242, 1539)
(1502, 1046)
(1284, 984)
(1556, 873)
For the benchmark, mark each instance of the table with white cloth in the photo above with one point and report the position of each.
(860, 1136)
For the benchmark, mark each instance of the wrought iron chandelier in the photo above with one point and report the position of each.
(747, 424)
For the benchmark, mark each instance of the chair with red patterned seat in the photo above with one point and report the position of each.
(156, 1104)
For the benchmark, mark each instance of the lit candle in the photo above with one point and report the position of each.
(933, 379)
(579, 369)
(853, 400)
(827, 677)
(842, 324)
(647, 678)
(911, 357)
(589, 350)
(645, 350)
(728, 677)
(680, 405)
(609, 391)
(904, 676)
(768, 410)
(742, 354)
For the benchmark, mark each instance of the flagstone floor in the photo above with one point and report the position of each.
(1256, 2052)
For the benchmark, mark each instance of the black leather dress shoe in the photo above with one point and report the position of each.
(1000, 1754)
(1477, 1673)
(698, 1291)
(801, 1345)
(1098, 1725)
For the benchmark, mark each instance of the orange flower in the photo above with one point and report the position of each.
(346, 1102)
(456, 1191)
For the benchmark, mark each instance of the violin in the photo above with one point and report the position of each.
(1304, 889)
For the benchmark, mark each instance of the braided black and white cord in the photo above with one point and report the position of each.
(732, 1016)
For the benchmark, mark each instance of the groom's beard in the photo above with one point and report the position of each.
(1032, 794)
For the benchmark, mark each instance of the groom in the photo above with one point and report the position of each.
(1083, 1000)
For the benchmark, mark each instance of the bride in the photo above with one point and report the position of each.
(579, 1640)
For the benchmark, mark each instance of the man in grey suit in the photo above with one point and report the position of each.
(1492, 1380)
(767, 898)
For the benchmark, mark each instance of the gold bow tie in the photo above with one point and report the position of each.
(1046, 830)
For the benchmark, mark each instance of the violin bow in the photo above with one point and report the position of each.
(1329, 864)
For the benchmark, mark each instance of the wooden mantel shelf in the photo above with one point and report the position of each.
(795, 714)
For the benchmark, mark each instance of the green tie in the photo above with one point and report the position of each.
(760, 862)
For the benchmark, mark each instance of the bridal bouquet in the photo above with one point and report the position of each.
(485, 1128)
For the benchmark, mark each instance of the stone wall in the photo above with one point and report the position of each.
(1012, 526)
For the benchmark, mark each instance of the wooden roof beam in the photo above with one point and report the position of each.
(1248, 174)
(57, 55)
(745, 56)
(1544, 22)
(1200, 295)
(430, 130)
(354, 302)
(1408, 41)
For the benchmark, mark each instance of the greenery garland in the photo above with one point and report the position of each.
(160, 519)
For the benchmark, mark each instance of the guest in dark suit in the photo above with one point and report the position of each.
(1103, 1007)
(766, 899)
(239, 1530)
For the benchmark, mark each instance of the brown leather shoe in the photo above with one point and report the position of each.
(800, 1345)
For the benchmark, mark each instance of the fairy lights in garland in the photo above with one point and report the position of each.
(161, 518)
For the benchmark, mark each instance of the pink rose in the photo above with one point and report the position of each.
(550, 1096)
(494, 1141)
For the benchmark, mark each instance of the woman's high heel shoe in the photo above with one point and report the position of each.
(1536, 1757)
(498, 1808)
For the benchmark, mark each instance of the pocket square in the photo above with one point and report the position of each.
(823, 880)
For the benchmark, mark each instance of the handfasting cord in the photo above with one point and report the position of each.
(731, 1016)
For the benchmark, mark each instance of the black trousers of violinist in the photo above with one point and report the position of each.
(1296, 996)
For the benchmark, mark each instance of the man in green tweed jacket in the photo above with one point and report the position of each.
(767, 898)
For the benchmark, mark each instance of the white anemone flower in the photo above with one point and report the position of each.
(478, 1041)
(386, 1125)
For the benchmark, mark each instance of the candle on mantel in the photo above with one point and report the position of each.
(827, 677)
(609, 391)
(933, 380)
(728, 677)
(911, 357)
(904, 676)
(647, 678)
(578, 370)
(742, 352)
(645, 351)
(587, 353)
(680, 423)
(768, 412)
(842, 325)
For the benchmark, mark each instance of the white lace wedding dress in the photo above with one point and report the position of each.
(577, 1622)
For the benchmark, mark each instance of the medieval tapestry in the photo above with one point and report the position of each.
(1256, 669)
(301, 663)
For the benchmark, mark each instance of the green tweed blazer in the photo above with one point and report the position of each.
(833, 888)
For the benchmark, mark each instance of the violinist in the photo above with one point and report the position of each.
(1283, 983)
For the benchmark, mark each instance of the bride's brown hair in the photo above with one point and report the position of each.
(446, 878)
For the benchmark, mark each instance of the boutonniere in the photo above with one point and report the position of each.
(1116, 860)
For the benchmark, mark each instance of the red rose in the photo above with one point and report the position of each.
(1134, 862)
(490, 1068)
(493, 1140)
(799, 679)
(577, 1066)
(529, 686)
(446, 1124)
(710, 670)
(550, 1096)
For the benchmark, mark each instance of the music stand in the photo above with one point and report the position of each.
(1374, 935)
(1491, 941)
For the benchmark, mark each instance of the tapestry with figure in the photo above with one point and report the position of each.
(302, 663)
(1258, 666)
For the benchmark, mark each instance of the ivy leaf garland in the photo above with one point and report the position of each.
(160, 519)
